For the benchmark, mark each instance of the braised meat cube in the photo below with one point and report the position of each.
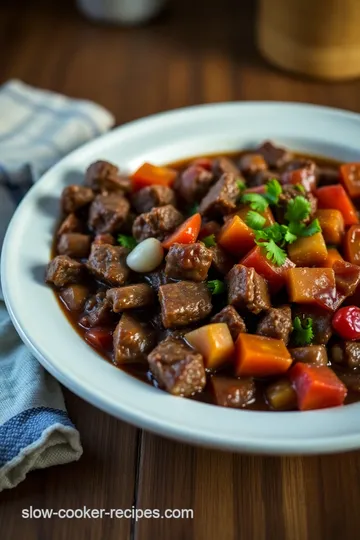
(74, 296)
(130, 297)
(276, 324)
(346, 353)
(321, 320)
(108, 213)
(315, 355)
(247, 290)
(300, 171)
(347, 277)
(289, 193)
(224, 165)
(235, 393)
(97, 311)
(75, 197)
(251, 164)
(71, 224)
(63, 270)
(177, 368)
(151, 196)
(156, 279)
(106, 238)
(230, 316)
(188, 261)
(103, 176)
(193, 184)
(328, 176)
(221, 198)
(158, 223)
(275, 156)
(108, 263)
(184, 303)
(75, 245)
(262, 177)
(133, 340)
(221, 261)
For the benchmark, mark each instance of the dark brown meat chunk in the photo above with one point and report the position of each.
(251, 164)
(177, 368)
(235, 393)
(315, 355)
(133, 340)
(106, 238)
(156, 279)
(103, 176)
(97, 311)
(108, 213)
(130, 297)
(193, 184)
(158, 223)
(188, 262)
(289, 193)
(322, 327)
(75, 245)
(71, 224)
(276, 323)
(184, 303)
(301, 171)
(75, 197)
(221, 198)
(275, 156)
(347, 277)
(262, 177)
(151, 196)
(63, 270)
(222, 262)
(235, 322)
(108, 263)
(74, 296)
(351, 380)
(327, 176)
(347, 353)
(247, 290)
(224, 165)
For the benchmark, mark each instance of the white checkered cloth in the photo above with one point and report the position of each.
(37, 128)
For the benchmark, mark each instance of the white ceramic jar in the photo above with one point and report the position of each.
(121, 11)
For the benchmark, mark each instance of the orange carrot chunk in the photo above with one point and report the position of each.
(149, 175)
(214, 342)
(333, 256)
(316, 387)
(258, 356)
(335, 197)
(186, 233)
(236, 237)
(308, 251)
(312, 286)
(332, 225)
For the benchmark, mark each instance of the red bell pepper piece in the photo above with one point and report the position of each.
(275, 275)
(186, 233)
(149, 175)
(335, 197)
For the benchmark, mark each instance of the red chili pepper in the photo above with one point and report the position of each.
(346, 322)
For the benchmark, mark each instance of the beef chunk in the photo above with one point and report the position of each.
(347, 277)
(327, 176)
(108, 263)
(184, 303)
(63, 270)
(322, 327)
(156, 279)
(351, 380)
(75, 245)
(193, 184)
(347, 353)
(222, 262)
(133, 340)
(188, 261)
(221, 198)
(97, 311)
(235, 393)
(247, 290)
(108, 213)
(277, 323)
(262, 177)
(289, 193)
(274, 156)
(70, 224)
(251, 164)
(151, 196)
(315, 355)
(301, 171)
(177, 368)
(106, 238)
(75, 197)
(230, 316)
(158, 223)
(103, 176)
(224, 165)
(74, 296)
(130, 297)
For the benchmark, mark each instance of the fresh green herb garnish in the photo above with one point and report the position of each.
(240, 184)
(300, 229)
(299, 187)
(255, 201)
(274, 253)
(209, 241)
(298, 209)
(127, 241)
(254, 220)
(274, 232)
(216, 286)
(303, 331)
(273, 191)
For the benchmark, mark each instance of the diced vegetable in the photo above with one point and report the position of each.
(332, 256)
(146, 256)
(100, 338)
(258, 356)
(186, 233)
(312, 286)
(149, 175)
(352, 245)
(308, 251)
(236, 237)
(281, 396)
(350, 176)
(335, 197)
(267, 214)
(315, 355)
(275, 275)
(332, 225)
(214, 342)
(346, 322)
(316, 387)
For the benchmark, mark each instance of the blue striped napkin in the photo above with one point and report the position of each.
(37, 128)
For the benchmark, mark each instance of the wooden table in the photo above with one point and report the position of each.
(199, 51)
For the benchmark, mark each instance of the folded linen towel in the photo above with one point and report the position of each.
(37, 128)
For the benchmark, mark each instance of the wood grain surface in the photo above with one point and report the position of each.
(196, 52)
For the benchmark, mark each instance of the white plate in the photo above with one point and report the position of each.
(45, 330)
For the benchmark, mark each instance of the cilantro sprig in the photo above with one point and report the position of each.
(127, 241)
(303, 332)
(297, 209)
(209, 241)
(257, 202)
(216, 286)
(254, 220)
